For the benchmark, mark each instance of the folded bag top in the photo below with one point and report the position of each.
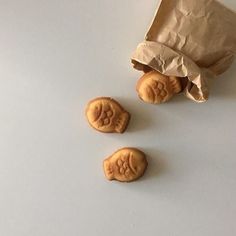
(189, 38)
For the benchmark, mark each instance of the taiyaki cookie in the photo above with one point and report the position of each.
(125, 165)
(107, 115)
(157, 88)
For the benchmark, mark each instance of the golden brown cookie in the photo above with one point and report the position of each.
(156, 88)
(125, 165)
(107, 115)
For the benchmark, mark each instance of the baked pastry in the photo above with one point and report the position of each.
(125, 165)
(157, 88)
(107, 115)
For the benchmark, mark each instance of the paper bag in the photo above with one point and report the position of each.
(189, 38)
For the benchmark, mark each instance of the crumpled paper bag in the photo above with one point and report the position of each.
(189, 38)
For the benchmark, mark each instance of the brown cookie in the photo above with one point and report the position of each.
(156, 88)
(107, 115)
(125, 165)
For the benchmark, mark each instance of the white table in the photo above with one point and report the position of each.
(54, 57)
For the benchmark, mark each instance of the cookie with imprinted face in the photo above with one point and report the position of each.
(125, 165)
(157, 88)
(107, 115)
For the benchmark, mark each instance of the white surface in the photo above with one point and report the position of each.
(54, 57)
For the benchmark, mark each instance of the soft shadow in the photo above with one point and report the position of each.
(157, 164)
(224, 86)
(141, 119)
(178, 98)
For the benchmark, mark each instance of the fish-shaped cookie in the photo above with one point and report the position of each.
(107, 115)
(157, 88)
(125, 165)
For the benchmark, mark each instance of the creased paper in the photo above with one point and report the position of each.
(189, 38)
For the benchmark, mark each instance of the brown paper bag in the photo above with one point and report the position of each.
(189, 38)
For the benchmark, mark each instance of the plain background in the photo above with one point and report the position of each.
(54, 57)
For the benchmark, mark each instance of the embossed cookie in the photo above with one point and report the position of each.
(156, 88)
(125, 165)
(107, 115)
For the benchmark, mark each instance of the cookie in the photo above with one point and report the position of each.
(107, 115)
(156, 88)
(125, 165)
